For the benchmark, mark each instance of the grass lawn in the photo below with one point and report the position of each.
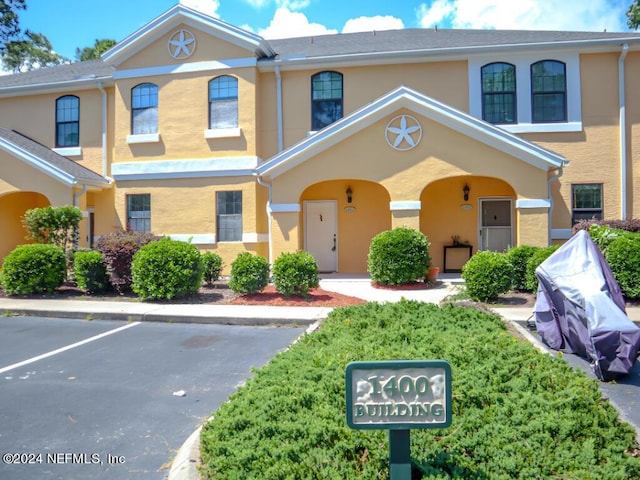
(517, 413)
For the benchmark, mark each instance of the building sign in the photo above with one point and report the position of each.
(399, 394)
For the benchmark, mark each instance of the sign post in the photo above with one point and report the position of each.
(399, 395)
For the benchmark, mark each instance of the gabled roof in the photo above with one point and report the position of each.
(405, 97)
(49, 162)
(180, 14)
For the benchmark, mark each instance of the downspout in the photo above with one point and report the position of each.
(549, 182)
(104, 130)
(623, 132)
(279, 108)
(268, 185)
(76, 198)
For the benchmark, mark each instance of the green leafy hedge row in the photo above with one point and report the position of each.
(517, 413)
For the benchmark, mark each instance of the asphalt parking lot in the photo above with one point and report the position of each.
(102, 399)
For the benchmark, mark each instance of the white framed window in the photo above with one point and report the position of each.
(229, 216)
(223, 102)
(67, 121)
(586, 201)
(326, 99)
(525, 120)
(139, 212)
(144, 109)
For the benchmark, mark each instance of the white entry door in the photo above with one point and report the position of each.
(496, 225)
(320, 233)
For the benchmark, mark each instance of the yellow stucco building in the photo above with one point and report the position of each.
(196, 129)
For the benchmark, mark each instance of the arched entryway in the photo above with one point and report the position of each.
(339, 218)
(12, 209)
(480, 215)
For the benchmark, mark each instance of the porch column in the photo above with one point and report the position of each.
(405, 214)
(285, 228)
(532, 220)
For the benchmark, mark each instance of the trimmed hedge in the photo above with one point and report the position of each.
(212, 263)
(90, 271)
(249, 273)
(166, 269)
(487, 274)
(623, 256)
(33, 268)
(398, 256)
(531, 281)
(117, 251)
(630, 225)
(295, 273)
(518, 257)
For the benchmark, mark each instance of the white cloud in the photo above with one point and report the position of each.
(293, 4)
(368, 24)
(257, 3)
(210, 7)
(288, 24)
(592, 15)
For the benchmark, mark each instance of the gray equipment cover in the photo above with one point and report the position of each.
(580, 309)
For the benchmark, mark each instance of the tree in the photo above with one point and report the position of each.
(633, 15)
(55, 225)
(33, 51)
(92, 53)
(9, 24)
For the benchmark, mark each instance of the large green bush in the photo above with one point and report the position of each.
(398, 256)
(486, 275)
(166, 269)
(623, 256)
(249, 273)
(517, 413)
(117, 251)
(90, 271)
(531, 281)
(212, 263)
(603, 235)
(33, 268)
(295, 273)
(518, 258)
(55, 225)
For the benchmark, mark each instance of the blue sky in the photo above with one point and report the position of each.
(77, 23)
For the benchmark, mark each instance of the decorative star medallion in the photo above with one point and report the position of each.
(182, 44)
(403, 132)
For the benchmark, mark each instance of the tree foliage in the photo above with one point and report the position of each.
(633, 15)
(32, 51)
(9, 22)
(92, 53)
(55, 225)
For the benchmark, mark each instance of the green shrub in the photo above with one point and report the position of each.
(90, 271)
(486, 275)
(166, 269)
(212, 263)
(117, 251)
(603, 235)
(623, 256)
(55, 225)
(517, 413)
(249, 273)
(518, 258)
(531, 281)
(33, 268)
(295, 273)
(398, 256)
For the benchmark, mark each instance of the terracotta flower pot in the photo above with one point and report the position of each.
(432, 274)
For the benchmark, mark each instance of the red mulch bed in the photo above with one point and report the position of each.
(317, 297)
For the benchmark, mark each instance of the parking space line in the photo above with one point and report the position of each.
(68, 347)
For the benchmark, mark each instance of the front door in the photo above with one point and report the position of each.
(496, 227)
(321, 229)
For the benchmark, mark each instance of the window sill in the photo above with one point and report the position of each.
(542, 127)
(143, 138)
(68, 151)
(222, 133)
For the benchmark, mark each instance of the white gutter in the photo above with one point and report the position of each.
(279, 107)
(623, 132)
(270, 233)
(550, 223)
(104, 130)
(77, 195)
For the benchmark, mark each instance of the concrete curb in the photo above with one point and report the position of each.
(185, 465)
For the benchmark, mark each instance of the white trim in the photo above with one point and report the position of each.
(255, 237)
(409, 205)
(36, 162)
(192, 67)
(195, 238)
(523, 64)
(285, 208)
(560, 233)
(68, 151)
(533, 203)
(143, 138)
(222, 132)
(185, 168)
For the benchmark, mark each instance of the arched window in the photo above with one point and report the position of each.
(499, 93)
(144, 109)
(326, 99)
(223, 102)
(548, 92)
(68, 121)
